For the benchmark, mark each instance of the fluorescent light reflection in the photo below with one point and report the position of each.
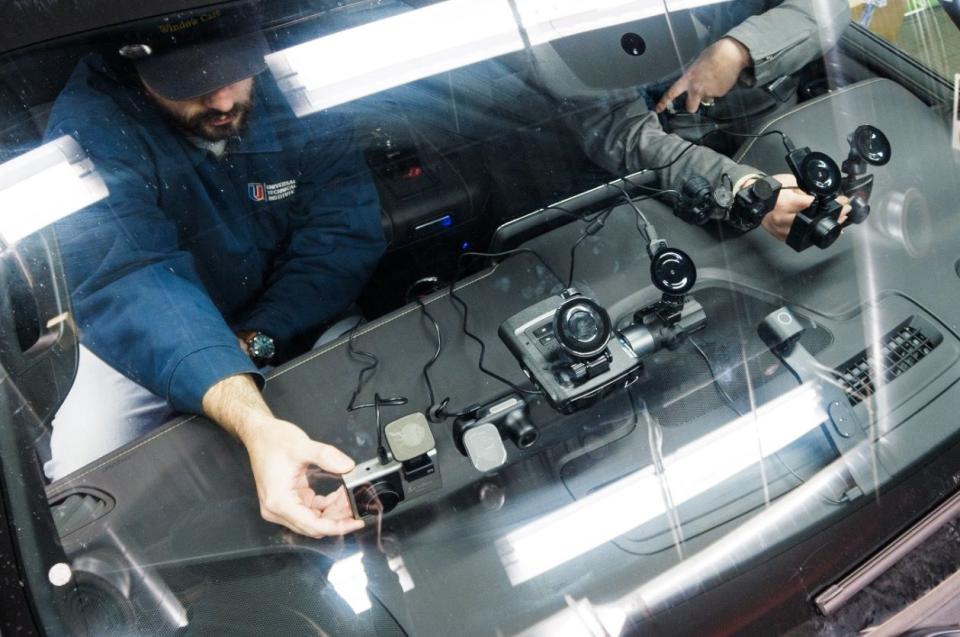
(354, 63)
(344, 66)
(636, 499)
(45, 185)
(349, 579)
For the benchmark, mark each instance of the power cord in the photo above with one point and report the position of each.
(362, 378)
(463, 310)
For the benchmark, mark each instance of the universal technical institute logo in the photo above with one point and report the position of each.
(259, 191)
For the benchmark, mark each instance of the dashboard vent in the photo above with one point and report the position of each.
(900, 350)
(79, 509)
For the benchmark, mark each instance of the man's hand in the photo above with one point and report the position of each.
(791, 201)
(281, 455)
(712, 74)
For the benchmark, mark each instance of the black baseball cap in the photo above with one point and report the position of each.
(191, 54)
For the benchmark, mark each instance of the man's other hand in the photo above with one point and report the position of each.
(712, 74)
(791, 201)
(281, 456)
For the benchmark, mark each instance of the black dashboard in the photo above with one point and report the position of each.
(179, 507)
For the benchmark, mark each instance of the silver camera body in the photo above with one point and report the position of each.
(377, 486)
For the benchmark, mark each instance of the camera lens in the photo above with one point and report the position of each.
(583, 324)
(821, 175)
(870, 143)
(673, 271)
(582, 327)
(825, 233)
(376, 497)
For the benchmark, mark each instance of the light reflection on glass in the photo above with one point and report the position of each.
(353, 63)
(350, 581)
(45, 185)
(631, 501)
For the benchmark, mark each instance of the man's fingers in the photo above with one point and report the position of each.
(326, 501)
(672, 93)
(844, 213)
(328, 458)
(694, 97)
(286, 510)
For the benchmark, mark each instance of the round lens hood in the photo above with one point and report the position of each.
(870, 143)
(673, 271)
(377, 497)
(820, 175)
(582, 327)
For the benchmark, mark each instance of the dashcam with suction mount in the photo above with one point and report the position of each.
(818, 175)
(566, 344)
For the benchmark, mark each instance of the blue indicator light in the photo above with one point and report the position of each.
(465, 246)
(446, 221)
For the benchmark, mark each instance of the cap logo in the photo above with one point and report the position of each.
(189, 23)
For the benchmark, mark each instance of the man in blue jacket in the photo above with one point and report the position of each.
(232, 234)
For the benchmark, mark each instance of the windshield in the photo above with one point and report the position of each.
(473, 317)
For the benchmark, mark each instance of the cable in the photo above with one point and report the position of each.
(648, 231)
(730, 403)
(378, 402)
(463, 310)
(593, 228)
(371, 366)
(436, 353)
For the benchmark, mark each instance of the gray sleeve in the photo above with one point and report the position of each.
(784, 38)
(622, 135)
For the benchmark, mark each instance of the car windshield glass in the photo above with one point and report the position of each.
(473, 316)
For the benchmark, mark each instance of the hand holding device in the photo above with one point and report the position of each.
(819, 176)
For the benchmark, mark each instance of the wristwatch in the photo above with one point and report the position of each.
(261, 348)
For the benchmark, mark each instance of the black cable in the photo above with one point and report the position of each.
(463, 310)
(378, 402)
(726, 177)
(436, 353)
(371, 366)
(730, 403)
(593, 228)
(648, 230)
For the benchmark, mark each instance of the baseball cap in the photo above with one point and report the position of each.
(187, 55)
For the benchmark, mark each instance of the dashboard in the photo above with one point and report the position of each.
(580, 514)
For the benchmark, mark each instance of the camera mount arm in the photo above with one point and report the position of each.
(780, 331)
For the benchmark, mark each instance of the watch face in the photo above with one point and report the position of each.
(261, 347)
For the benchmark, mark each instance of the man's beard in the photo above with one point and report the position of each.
(201, 125)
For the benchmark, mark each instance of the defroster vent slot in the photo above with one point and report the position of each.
(899, 350)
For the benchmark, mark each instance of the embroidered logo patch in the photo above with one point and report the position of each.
(258, 191)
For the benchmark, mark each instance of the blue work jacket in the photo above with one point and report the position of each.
(279, 235)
